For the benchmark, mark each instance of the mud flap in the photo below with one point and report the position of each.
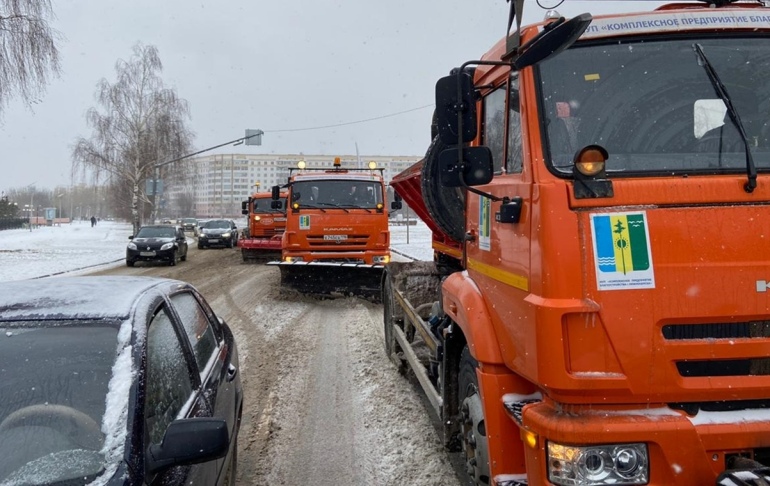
(321, 279)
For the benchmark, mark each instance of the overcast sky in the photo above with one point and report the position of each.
(270, 65)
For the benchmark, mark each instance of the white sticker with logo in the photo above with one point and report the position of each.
(304, 222)
(622, 252)
(485, 224)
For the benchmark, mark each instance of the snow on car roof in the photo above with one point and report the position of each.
(73, 297)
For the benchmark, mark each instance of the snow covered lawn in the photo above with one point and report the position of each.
(53, 250)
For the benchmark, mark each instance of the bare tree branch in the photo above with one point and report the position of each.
(28, 52)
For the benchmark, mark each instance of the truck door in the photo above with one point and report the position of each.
(498, 254)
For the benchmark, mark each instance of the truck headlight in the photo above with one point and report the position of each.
(598, 464)
(167, 246)
(381, 259)
(132, 246)
(293, 259)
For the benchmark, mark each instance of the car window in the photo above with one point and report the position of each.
(168, 383)
(197, 327)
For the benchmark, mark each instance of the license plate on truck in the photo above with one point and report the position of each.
(335, 237)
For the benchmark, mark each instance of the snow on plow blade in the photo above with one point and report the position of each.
(324, 279)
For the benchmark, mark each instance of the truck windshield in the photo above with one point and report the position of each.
(263, 205)
(652, 105)
(337, 193)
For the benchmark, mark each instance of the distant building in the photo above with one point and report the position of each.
(222, 181)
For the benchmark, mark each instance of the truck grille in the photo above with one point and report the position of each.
(756, 366)
(267, 232)
(318, 242)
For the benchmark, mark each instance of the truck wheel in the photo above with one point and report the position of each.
(446, 205)
(392, 348)
(472, 423)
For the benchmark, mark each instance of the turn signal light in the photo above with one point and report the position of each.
(590, 161)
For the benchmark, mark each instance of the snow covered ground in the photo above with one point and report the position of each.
(77, 247)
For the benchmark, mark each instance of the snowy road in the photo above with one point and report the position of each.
(323, 405)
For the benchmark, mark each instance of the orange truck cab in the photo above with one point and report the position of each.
(261, 239)
(337, 237)
(598, 311)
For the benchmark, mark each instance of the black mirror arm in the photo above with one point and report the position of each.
(473, 189)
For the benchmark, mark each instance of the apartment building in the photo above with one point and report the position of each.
(222, 181)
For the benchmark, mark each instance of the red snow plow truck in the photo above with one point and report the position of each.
(598, 311)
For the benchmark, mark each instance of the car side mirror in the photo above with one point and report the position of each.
(131, 237)
(189, 441)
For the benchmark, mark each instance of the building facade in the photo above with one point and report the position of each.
(221, 181)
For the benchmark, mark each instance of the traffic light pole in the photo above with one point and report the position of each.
(156, 208)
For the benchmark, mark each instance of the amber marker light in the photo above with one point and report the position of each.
(590, 161)
(372, 165)
(380, 206)
(531, 439)
(337, 162)
(295, 205)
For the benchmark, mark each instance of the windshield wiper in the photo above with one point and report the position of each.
(333, 205)
(721, 91)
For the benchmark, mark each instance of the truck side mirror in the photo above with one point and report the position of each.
(475, 169)
(276, 193)
(448, 106)
(276, 204)
(396, 204)
(244, 205)
(553, 39)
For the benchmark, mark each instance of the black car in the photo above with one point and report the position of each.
(115, 381)
(218, 232)
(159, 243)
(190, 224)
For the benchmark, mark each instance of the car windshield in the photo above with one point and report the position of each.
(155, 232)
(189, 221)
(652, 105)
(217, 224)
(337, 193)
(54, 380)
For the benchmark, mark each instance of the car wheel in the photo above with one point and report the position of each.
(200, 247)
(129, 263)
(172, 262)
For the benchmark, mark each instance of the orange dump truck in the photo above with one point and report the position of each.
(598, 311)
(261, 239)
(337, 239)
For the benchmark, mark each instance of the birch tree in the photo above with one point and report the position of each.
(28, 52)
(138, 123)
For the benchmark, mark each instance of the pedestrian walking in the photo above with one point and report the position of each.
(93, 221)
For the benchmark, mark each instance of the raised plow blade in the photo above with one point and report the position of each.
(333, 279)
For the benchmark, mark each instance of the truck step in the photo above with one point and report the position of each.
(511, 480)
(515, 407)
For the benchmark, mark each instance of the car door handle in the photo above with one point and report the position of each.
(232, 371)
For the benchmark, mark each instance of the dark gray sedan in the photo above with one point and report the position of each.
(115, 381)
